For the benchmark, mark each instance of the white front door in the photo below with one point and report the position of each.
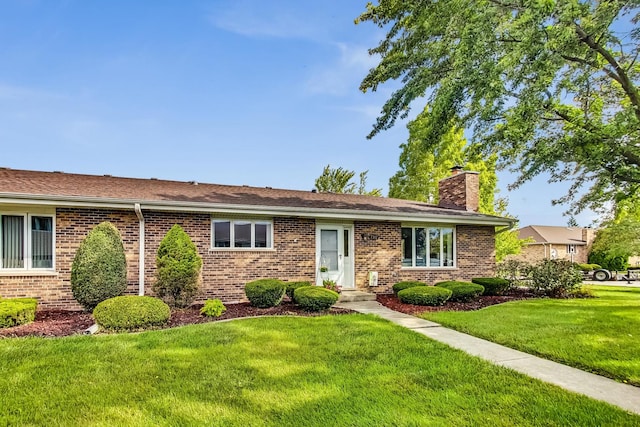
(334, 254)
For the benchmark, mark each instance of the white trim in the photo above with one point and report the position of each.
(340, 214)
(413, 228)
(141, 249)
(251, 221)
(27, 253)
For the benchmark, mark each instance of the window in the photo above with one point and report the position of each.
(571, 249)
(428, 246)
(241, 234)
(26, 242)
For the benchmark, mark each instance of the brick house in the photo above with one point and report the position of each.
(242, 233)
(555, 242)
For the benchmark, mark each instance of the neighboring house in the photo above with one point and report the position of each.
(242, 233)
(555, 242)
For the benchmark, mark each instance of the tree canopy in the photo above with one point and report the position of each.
(422, 169)
(548, 86)
(339, 180)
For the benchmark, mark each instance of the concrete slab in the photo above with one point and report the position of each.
(622, 395)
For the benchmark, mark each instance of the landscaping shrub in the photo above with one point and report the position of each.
(492, 285)
(462, 291)
(177, 269)
(264, 293)
(588, 267)
(213, 308)
(17, 311)
(555, 278)
(424, 295)
(131, 312)
(331, 285)
(516, 272)
(292, 286)
(99, 269)
(406, 285)
(315, 298)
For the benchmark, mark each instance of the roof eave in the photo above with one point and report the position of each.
(344, 214)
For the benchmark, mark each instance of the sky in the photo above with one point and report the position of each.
(239, 92)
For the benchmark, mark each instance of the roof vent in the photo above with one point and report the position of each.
(313, 190)
(193, 182)
(107, 175)
(153, 178)
(58, 172)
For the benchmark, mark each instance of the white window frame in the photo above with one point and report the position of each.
(413, 228)
(27, 255)
(572, 249)
(232, 222)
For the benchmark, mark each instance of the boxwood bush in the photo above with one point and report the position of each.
(265, 293)
(17, 311)
(99, 269)
(131, 312)
(315, 298)
(461, 291)
(424, 295)
(406, 285)
(492, 285)
(292, 286)
(588, 267)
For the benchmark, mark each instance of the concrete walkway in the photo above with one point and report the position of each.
(623, 395)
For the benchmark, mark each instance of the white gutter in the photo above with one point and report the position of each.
(136, 207)
(319, 213)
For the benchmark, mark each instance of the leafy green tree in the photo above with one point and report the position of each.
(551, 87)
(422, 169)
(340, 181)
(177, 268)
(99, 268)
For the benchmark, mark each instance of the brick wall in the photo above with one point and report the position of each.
(224, 272)
(475, 256)
(460, 191)
(376, 248)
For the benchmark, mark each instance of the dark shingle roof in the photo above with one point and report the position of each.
(52, 185)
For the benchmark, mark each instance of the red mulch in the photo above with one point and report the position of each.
(393, 303)
(59, 323)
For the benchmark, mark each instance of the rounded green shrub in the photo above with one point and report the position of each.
(315, 298)
(492, 285)
(424, 295)
(265, 293)
(17, 311)
(99, 269)
(177, 269)
(292, 286)
(213, 308)
(461, 291)
(131, 312)
(406, 285)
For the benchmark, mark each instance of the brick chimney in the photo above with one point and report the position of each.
(588, 234)
(460, 190)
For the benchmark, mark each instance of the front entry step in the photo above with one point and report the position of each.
(355, 296)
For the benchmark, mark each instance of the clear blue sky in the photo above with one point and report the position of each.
(262, 93)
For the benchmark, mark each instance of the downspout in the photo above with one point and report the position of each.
(138, 210)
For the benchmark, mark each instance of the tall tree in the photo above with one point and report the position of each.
(422, 169)
(549, 86)
(339, 180)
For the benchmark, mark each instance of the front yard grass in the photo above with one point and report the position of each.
(600, 335)
(350, 370)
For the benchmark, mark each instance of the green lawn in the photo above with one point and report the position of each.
(352, 370)
(601, 335)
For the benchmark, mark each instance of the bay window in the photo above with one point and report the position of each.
(241, 234)
(26, 241)
(428, 246)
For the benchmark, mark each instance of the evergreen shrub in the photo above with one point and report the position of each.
(99, 268)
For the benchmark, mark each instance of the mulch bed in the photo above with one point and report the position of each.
(393, 303)
(59, 323)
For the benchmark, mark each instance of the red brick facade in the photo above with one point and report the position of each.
(224, 273)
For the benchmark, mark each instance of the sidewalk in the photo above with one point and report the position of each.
(622, 395)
